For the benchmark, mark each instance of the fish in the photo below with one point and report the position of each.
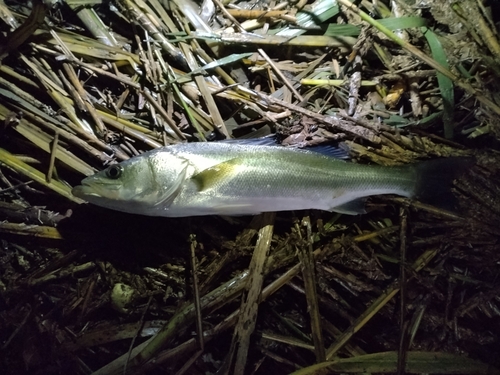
(244, 178)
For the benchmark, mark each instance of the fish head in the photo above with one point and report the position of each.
(145, 184)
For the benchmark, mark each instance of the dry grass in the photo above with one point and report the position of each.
(406, 286)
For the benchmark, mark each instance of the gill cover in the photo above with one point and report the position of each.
(143, 184)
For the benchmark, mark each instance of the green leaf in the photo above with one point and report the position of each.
(342, 30)
(322, 10)
(216, 63)
(397, 121)
(429, 119)
(445, 84)
(319, 12)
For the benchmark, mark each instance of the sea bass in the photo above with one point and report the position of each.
(238, 178)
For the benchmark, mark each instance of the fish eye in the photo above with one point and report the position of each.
(114, 172)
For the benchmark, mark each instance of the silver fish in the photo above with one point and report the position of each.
(237, 178)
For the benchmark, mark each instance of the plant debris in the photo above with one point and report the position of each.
(408, 287)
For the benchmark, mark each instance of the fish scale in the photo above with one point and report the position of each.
(241, 178)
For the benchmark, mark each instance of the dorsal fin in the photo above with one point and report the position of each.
(337, 152)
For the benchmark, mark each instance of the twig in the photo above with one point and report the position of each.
(280, 74)
(53, 149)
(309, 275)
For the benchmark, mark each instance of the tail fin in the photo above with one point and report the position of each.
(435, 179)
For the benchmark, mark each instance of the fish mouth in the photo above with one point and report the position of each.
(84, 191)
(92, 190)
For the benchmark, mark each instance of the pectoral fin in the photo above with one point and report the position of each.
(217, 174)
(354, 207)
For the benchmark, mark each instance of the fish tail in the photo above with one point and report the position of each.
(434, 180)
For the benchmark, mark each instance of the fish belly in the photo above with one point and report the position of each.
(277, 179)
(257, 198)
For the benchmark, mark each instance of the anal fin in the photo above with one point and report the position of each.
(354, 207)
(235, 210)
